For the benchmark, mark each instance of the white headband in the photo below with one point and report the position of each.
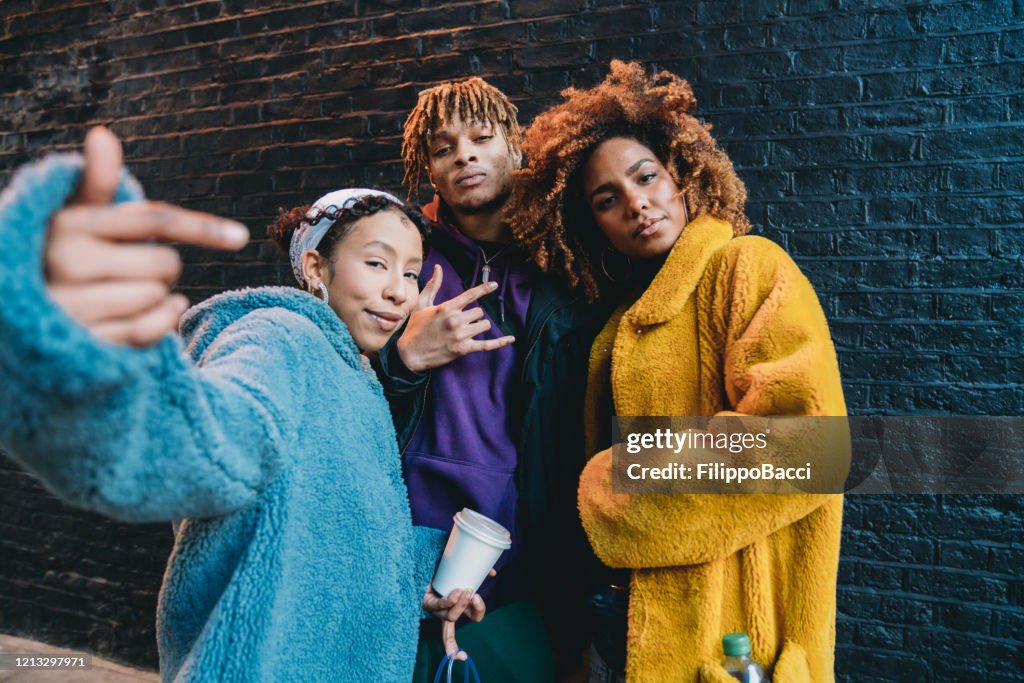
(308, 236)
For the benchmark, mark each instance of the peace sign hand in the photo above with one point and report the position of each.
(437, 335)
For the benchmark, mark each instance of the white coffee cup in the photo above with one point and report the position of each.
(475, 544)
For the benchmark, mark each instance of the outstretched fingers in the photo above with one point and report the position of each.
(470, 295)
(102, 172)
(112, 300)
(430, 290)
(145, 329)
(151, 220)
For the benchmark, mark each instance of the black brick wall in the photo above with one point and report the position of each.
(881, 143)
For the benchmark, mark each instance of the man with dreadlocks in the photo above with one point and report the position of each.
(498, 432)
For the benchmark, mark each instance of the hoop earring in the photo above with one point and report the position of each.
(323, 291)
(604, 266)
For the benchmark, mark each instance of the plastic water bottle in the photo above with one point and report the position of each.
(737, 662)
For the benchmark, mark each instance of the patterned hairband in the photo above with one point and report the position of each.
(308, 236)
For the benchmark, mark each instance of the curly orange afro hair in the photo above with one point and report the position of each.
(547, 212)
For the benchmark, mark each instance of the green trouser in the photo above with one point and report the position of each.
(509, 645)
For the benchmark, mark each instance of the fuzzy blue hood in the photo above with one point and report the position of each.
(204, 322)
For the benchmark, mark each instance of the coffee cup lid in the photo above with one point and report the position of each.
(474, 528)
(477, 520)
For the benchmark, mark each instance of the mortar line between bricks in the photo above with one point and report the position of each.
(940, 163)
(862, 133)
(945, 98)
(939, 628)
(899, 593)
(916, 385)
(802, 198)
(945, 569)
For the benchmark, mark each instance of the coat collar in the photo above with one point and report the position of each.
(672, 286)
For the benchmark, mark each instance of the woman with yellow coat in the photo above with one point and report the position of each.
(628, 195)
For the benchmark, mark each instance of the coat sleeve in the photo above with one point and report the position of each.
(403, 388)
(136, 434)
(763, 328)
(429, 544)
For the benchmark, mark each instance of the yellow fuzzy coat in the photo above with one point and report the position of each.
(729, 325)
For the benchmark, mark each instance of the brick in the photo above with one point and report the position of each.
(871, 546)
(963, 555)
(887, 666)
(875, 576)
(548, 56)
(884, 56)
(967, 618)
(1008, 560)
(966, 49)
(855, 603)
(1007, 624)
(879, 636)
(959, 586)
(909, 611)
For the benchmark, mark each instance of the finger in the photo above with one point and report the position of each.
(432, 287)
(102, 171)
(470, 315)
(448, 640)
(477, 609)
(83, 258)
(470, 295)
(493, 572)
(145, 329)
(473, 329)
(108, 301)
(456, 610)
(151, 220)
(477, 345)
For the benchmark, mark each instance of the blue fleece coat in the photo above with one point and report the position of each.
(296, 558)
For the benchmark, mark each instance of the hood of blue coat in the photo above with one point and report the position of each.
(202, 323)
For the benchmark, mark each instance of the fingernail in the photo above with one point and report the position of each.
(492, 285)
(235, 232)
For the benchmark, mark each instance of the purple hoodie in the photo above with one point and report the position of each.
(463, 451)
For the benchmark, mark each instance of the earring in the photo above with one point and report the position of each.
(604, 266)
(323, 291)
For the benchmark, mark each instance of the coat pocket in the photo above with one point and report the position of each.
(790, 667)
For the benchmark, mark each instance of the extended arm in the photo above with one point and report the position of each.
(136, 434)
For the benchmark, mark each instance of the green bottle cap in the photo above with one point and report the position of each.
(736, 644)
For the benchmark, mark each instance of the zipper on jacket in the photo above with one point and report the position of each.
(540, 330)
(419, 416)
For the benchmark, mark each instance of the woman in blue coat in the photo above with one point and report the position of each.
(268, 441)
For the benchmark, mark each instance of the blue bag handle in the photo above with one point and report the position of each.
(449, 663)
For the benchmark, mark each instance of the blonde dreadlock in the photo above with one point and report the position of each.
(473, 99)
(547, 213)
